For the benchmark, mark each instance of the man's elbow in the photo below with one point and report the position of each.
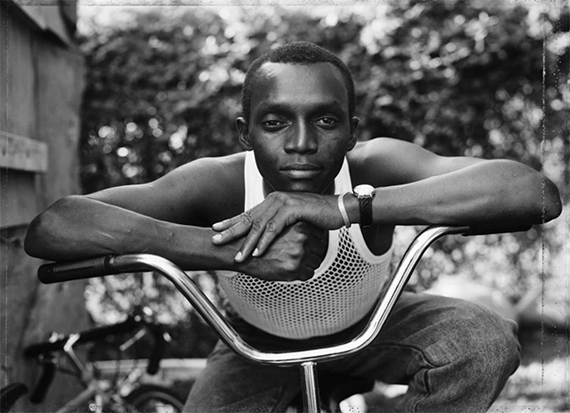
(551, 202)
(42, 231)
(36, 242)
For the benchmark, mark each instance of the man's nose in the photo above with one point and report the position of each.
(303, 139)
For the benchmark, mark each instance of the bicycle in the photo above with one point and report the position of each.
(119, 393)
(306, 360)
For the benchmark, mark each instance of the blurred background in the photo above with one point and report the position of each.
(161, 87)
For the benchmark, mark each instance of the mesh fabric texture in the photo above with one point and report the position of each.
(337, 296)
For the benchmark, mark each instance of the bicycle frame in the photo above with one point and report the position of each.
(96, 390)
(100, 391)
(306, 359)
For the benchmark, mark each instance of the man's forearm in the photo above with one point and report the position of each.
(78, 227)
(486, 193)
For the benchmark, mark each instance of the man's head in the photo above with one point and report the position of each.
(299, 122)
(301, 53)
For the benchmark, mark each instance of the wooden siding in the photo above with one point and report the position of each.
(41, 83)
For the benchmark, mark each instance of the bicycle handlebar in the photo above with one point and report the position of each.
(108, 265)
(494, 229)
(95, 334)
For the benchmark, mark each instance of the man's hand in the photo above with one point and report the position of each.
(294, 255)
(262, 224)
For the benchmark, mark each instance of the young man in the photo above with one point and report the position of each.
(305, 257)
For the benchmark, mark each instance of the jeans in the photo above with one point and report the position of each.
(455, 356)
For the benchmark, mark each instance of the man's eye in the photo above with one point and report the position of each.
(327, 121)
(273, 124)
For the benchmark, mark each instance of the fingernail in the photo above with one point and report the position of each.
(238, 257)
(255, 252)
(217, 237)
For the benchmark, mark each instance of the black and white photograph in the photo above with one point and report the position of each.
(284, 206)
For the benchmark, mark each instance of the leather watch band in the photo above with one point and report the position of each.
(365, 211)
(364, 193)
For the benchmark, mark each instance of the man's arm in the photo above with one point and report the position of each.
(413, 187)
(170, 217)
(420, 187)
(164, 217)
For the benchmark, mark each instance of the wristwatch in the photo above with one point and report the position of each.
(364, 193)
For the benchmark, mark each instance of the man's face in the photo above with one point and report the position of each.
(299, 127)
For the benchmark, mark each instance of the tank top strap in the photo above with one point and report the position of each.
(253, 182)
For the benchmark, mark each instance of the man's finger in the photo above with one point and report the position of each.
(272, 230)
(232, 228)
(244, 217)
(263, 231)
(250, 245)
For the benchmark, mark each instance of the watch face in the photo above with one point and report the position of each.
(364, 189)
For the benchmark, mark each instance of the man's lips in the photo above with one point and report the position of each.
(301, 171)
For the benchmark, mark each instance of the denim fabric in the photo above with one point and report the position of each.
(455, 356)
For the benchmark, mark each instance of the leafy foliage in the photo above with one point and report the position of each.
(483, 80)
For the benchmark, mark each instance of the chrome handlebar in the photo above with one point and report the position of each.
(109, 265)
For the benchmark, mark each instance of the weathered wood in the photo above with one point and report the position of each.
(23, 154)
(41, 83)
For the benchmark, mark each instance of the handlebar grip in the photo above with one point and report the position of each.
(74, 270)
(157, 351)
(495, 229)
(40, 390)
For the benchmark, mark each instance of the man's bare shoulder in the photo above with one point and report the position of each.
(374, 148)
(224, 170)
(199, 192)
(378, 161)
(387, 161)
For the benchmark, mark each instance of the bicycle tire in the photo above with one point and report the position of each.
(151, 398)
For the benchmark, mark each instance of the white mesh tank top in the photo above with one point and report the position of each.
(343, 290)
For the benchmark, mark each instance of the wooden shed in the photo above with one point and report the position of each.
(41, 84)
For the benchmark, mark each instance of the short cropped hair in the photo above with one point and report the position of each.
(303, 53)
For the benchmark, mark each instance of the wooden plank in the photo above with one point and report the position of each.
(58, 99)
(23, 154)
(17, 78)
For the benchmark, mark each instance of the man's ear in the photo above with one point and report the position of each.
(243, 131)
(352, 138)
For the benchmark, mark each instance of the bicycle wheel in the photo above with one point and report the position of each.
(150, 398)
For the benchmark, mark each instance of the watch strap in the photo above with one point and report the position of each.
(365, 203)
